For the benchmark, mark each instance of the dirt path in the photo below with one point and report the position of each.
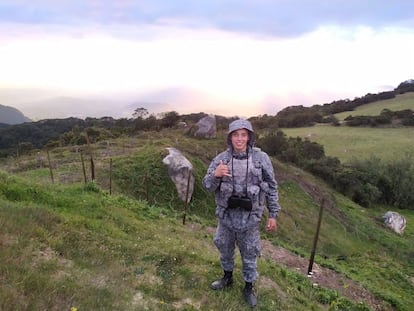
(321, 276)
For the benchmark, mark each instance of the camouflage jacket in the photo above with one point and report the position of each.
(260, 186)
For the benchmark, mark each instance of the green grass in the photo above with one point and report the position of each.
(71, 244)
(76, 246)
(400, 102)
(350, 143)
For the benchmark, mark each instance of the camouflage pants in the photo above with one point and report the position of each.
(248, 243)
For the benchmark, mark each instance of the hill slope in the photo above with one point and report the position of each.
(71, 244)
(348, 143)
(400, 102)
(112, 253)
(10, 115)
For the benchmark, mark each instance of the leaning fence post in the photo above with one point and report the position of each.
(186, 195)
(110, 176)
(146, 187)
(315, 241)
(91, 155)
(50, 167)
(83, 167)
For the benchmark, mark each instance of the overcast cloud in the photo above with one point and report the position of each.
(279, 18)
(230, 57)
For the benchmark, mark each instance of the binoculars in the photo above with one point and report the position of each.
(239, 202)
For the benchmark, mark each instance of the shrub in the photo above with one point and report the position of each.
(274, 143)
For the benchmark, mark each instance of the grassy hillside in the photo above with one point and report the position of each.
(72, 244)
(348, 143)
(400, 102)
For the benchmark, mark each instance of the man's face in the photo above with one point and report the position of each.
(239, 139)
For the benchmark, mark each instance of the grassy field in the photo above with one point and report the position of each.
(400, 102)
(349, 143)
(70, 244)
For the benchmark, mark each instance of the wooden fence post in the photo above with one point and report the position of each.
(146, 187)
(91, 155)
(83, 167)
(315, 241)
(50, 167)
(186, 195)
(110, 176)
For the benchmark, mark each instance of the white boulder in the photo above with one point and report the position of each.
(395, 221)
(179, 169)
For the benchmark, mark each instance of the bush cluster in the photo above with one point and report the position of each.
(405, 117)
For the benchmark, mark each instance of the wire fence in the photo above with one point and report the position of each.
(83, 164)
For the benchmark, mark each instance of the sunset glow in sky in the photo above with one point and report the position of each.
(224, 57)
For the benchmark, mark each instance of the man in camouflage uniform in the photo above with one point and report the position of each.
(242, 178)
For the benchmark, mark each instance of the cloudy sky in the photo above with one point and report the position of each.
(229, 57)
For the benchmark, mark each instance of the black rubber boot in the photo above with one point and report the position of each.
(225, 281)
(249, 295)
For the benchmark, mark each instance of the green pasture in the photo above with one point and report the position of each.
(349, 143)
(400, 102)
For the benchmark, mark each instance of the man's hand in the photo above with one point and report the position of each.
(221, 170)
(271, 224)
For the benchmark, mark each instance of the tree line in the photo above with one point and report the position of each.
(387, 117)
(26, 137)
(300, 116)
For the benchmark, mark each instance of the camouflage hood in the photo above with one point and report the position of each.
(241, 124)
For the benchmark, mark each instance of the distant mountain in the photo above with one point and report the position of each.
(62, 107)
(10, 115)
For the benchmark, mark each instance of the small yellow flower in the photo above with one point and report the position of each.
(73, 309)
